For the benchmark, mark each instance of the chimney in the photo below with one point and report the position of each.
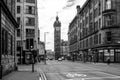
(78, 8)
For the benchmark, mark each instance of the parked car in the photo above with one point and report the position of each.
(60, 59)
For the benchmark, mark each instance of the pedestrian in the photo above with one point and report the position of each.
(108, 60)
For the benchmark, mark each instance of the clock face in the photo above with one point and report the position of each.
(57, 28)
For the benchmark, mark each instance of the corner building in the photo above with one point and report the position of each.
(28, 32)
(99, 31)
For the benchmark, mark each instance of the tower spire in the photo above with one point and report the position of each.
(57, 16)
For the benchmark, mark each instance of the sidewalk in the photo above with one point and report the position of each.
(25, 73)
(22, 75)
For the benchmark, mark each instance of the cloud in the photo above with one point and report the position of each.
(71, 0)
(69, 4)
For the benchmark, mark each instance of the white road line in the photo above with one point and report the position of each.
(103, 77)
(106, 73)
(40, 78)
(94, 78)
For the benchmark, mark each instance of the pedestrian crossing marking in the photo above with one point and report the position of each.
(88, 75)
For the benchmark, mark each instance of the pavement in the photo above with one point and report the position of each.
(25, 73)
(54, 71)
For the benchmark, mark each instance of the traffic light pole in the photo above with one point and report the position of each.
(32, 53)
(32, 62)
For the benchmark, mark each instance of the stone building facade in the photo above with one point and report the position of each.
(8, 27)
(99, 31)
(73, 36)
(28, 32)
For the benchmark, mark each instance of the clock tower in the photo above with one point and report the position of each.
(57, 38)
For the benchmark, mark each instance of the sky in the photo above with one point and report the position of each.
(47, 12)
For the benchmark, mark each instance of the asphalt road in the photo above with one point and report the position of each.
(66, 70)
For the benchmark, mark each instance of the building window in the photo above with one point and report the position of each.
(29, 43)
(30, 1)
(99, 38)
(11, 45)
(4, 41)
(30, 32)
(30, 9)
(87, 43)
(18, 20)
(108, 36)
(18, 32)
(99, 11)
(18, 43)
(109, 20)
(95, 12)
(91, 17)
(30, 21)
(108, 4)
(18, 9)
(96, 26)
(91, 41)
(99, 23)
(18, 0)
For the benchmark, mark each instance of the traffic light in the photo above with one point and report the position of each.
(29, 43)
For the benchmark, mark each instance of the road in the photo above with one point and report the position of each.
(66, 70)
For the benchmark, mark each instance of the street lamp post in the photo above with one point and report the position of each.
(45, 46)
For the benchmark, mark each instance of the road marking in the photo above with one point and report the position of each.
(117, 77)
(40, 78)
(72, 75)
(103, 77)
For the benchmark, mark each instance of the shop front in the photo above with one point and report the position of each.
(29, 56)
(113, 54)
